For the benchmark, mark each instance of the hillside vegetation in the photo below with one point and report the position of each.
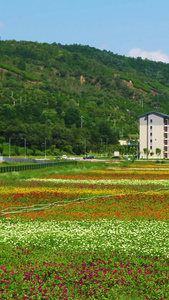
(73, 94)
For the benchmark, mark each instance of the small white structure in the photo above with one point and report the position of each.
(154, 135)
(116, 154)
(123, 142)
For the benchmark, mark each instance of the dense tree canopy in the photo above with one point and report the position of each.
(46, 89)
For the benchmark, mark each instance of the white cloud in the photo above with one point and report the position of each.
(154, 55)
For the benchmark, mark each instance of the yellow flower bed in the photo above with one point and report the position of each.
(15, 190)
(130, 171)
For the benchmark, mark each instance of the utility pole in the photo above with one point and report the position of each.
(101, 140)
(141, 103)
(45, 148)
(81, 117)
(24, 146)
(9, 147)
(107, 139)
(85, 145)
(122, 133)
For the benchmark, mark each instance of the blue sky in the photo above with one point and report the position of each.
(126, 27)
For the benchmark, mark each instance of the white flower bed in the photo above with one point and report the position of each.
(162, 182)
(140, 237)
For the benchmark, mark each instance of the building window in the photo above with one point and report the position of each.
(151, 134)
(151, 121)
(150, 141)
(151, 127)
(151, 147)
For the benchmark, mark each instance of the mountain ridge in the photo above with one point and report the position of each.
(45, 90)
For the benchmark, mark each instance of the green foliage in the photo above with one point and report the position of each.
(45, 89)
(17, 71)
(158, 151)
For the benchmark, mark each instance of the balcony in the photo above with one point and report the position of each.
(165, 135)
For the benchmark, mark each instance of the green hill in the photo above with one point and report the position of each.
(69, 94)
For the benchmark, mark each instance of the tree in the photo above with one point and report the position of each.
(146, 152)
(17, 150)
(106, 131)
(158, 151)
(72, 116)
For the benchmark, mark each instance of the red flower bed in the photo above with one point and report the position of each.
(85, 275)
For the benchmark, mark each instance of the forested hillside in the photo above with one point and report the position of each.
(70, 94)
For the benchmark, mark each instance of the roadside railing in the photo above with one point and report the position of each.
(35, 166)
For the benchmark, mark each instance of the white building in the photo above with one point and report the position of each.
(154, 134)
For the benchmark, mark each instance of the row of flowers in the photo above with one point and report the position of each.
(82, 275)
(139, 237)
(92, 235)
(63, 206)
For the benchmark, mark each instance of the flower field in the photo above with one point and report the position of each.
(93, 234)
